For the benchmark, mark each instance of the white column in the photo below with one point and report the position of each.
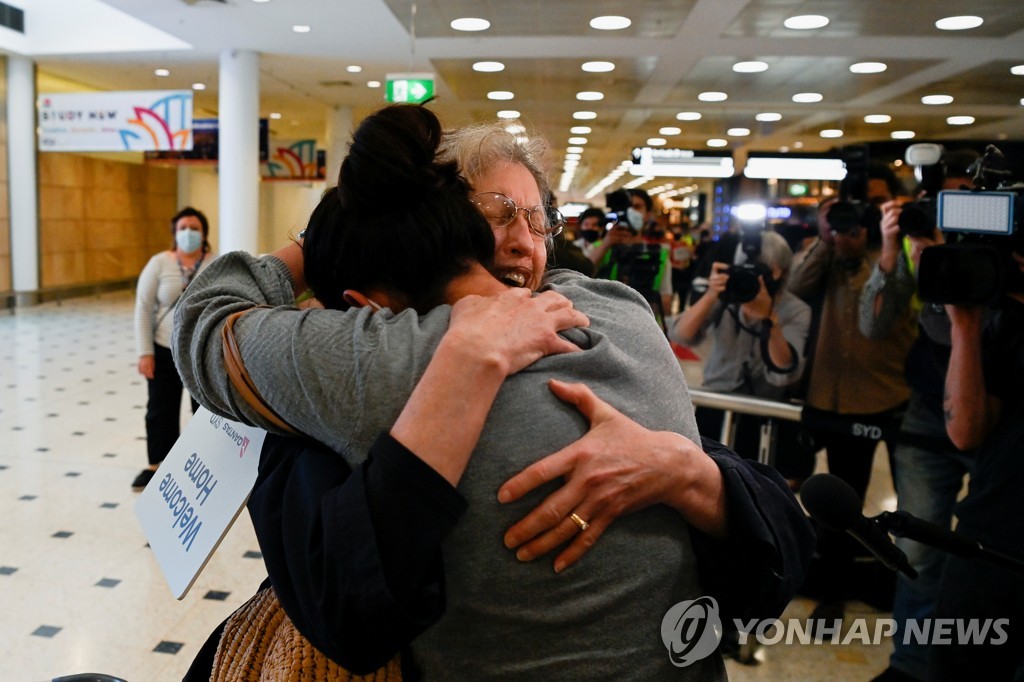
(22, 177)
(339, 134)
(239, 164)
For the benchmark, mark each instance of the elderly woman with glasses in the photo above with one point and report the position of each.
(414, 548)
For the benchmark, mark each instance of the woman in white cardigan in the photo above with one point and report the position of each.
(160, 285)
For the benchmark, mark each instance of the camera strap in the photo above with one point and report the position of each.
(765, 335)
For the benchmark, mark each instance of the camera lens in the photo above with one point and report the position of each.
(917, 219)
(743, 285)
(843, 216)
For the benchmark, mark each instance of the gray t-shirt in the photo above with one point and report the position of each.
(342, 377)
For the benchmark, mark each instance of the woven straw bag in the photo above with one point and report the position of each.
(260, 644)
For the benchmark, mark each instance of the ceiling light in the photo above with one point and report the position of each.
(807, 97)
(798, 144)
(488, 67)
(959, 23)
(589, 96)
(687, 116)
(960, 120)
(712, 96)
(508, 114)
(576, 156)
(831, 132)
(806, 21)
(470, 24)
(261, 0)
(500, 94)
(163, 73)
(574, 150)
(737, 132)
(768, 117)
(580, 130)
(902, 134)
(868, 67)
(577, 140)
(598, 67)
(937, 99)
(515, 128)
(569, 164)
(584, 115)
(301, 28)
(610, 23)
(877, 118)
(669, 130)
(749, 67)
(1017, 70)
(353, 68)
(199, 86)
(373, 84)
(274, 115)
(656, 141)
(716, 142)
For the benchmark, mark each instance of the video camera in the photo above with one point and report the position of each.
(853, 211)
(982, 228)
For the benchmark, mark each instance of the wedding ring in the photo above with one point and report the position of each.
(579, 521)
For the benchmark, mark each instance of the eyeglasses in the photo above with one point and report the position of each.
(500, 211)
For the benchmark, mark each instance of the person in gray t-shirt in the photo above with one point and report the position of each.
(313, 367)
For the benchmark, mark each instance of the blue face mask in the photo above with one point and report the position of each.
(188, 240)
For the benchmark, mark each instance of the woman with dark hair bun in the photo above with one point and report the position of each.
(427, 546)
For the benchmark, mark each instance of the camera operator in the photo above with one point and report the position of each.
(758, 343)
(856, 391)
(590, 232)
(984, 411)
(928, 470)
(636, 252)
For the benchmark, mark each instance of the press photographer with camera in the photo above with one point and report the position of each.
(758, 330)
(635, 251)
(856, 393)
(983, 408)
(928, 470)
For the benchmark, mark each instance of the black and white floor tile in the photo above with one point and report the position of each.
(80, 590)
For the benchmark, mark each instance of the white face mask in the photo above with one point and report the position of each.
(188, 240)
(635, 219)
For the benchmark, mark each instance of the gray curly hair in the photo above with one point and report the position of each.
(478, 148)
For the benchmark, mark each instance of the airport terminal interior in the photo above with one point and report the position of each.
(684, 99)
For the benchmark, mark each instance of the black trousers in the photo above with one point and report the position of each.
(163, 411)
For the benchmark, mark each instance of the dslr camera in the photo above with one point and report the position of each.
(853, 211)
(619, 205)
(744, 279)
(932, 165)
(982, 228)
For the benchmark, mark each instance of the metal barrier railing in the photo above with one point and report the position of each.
(731, 404)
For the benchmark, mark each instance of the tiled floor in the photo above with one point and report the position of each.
(79, 589)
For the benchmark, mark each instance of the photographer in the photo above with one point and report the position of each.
(928, 470)
(856, 393)
(758, 342)
(635, 251)
(984, 409)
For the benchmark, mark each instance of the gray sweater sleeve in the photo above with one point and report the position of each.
(893, 290)
(320, 370)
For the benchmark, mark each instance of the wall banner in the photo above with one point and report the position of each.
(115, 121)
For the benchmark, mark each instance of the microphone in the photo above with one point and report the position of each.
(832, 502)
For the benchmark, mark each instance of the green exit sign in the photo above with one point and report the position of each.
(409, 88)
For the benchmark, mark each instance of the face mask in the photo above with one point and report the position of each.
(635, 219)
(188, 240)
(591, 236)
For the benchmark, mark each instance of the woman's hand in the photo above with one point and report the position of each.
(718, 278)
(147, 365)
(514, 329)
(617, 468)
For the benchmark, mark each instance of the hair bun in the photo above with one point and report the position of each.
(393, 154)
